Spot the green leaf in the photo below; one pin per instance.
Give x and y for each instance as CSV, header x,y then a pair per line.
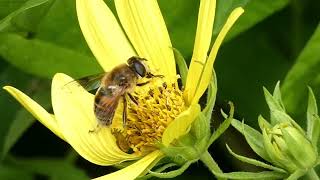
x,y
61,28
27,17
313,120
223,10
23,120
304,72
54,168
12,173
255,11
48,59
181,18
243,69
253,137
255,162
10,109
8,6
253,175
182,65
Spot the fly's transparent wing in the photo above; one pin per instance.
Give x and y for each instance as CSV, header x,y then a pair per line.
x,y
90,83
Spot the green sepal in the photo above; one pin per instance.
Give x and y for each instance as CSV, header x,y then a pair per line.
x,y
272,102
253,137
200,127
296,175
185,141
158,170
277,95
164,167
273,105
201,132
275,154
263,123
182,65
223,127
173,173
255,162
211,96
300,148
267,175
286,119
313,120
180,154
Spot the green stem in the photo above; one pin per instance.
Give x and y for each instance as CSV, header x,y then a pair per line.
x,y
211,164
311,174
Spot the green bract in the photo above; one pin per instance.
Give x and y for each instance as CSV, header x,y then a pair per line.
x,y
291,151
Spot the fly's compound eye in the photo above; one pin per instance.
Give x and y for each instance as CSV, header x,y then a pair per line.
x,y
138,66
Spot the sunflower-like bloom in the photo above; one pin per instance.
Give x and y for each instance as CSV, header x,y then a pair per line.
x,y
164,112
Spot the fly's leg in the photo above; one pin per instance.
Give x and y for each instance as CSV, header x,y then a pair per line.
x,y
95,130
132,99
124,113
150,75
143,83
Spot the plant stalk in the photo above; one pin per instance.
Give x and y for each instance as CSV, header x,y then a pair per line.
x,y
211,164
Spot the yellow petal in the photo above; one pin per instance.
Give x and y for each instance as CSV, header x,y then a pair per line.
x,y
36,110
202,42
103,33
181,124
133,171
73,107
203,71
146,29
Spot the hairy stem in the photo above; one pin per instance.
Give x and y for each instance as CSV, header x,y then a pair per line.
x,y
311,174
211,164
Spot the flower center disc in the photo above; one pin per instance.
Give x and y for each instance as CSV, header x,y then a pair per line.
x,y
148,119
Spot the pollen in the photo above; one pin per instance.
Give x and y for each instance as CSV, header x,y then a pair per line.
x,y
149,114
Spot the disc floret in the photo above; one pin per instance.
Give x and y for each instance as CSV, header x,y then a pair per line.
x,y
149,115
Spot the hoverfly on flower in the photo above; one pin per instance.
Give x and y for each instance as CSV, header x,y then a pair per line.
x,y
115,85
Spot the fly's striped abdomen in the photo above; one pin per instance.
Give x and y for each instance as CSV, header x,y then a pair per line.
x,y
105,104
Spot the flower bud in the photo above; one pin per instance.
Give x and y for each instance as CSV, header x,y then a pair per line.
x,y
288,147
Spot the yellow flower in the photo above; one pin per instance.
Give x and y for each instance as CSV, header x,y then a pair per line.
x,y
168,114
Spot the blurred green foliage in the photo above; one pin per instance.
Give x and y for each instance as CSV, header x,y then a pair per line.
x,y
273,40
